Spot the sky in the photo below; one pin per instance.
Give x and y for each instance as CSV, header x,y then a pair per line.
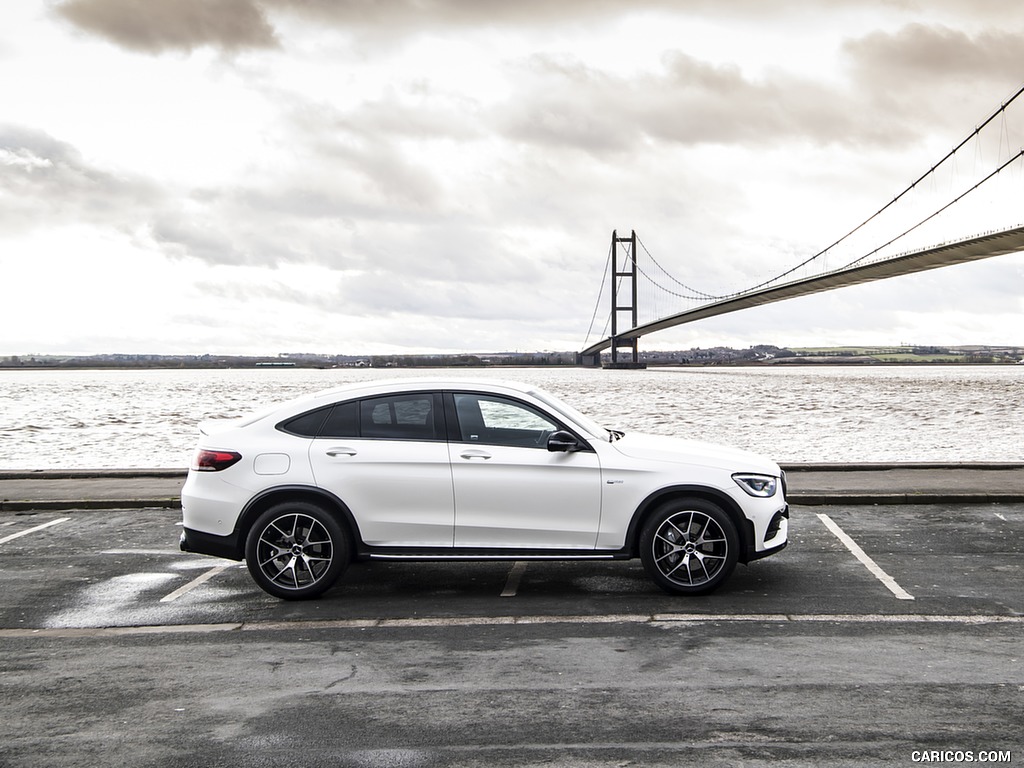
x,y
443,176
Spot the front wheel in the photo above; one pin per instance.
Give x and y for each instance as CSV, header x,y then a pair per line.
x,y
296,550
689,547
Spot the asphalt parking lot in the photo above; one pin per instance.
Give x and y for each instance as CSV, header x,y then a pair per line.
x,y
882,633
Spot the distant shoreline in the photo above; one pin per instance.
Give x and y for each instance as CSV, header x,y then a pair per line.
x,y
759,356
790,363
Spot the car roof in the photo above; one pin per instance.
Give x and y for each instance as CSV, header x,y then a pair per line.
x,y
386,386
432,382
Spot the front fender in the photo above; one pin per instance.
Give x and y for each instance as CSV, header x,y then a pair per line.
x,y
744,528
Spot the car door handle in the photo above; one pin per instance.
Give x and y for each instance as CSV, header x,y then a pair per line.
x,y
475,454
341,450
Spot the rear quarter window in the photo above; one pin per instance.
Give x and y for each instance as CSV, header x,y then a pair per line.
x,y
306,425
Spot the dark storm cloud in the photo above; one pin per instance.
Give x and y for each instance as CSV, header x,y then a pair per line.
x,y
154,26
45,181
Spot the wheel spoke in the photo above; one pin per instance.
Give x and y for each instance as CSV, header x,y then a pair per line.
x,y
279,529
275,576
670,553
684,562
682,533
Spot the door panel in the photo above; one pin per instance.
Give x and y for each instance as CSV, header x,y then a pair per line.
x,y
510,491
398,484
525,497
400,492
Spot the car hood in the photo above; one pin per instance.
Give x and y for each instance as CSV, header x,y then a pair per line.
x,y
678,450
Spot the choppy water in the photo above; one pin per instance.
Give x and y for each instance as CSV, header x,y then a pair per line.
x,y
128,419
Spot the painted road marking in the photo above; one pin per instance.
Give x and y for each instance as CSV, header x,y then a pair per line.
x,y
194,583
860,554
514,577
175,552
13,536
658,619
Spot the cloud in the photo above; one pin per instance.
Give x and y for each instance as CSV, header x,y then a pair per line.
x,y
918,55
688,102
402,16
155,26
47,182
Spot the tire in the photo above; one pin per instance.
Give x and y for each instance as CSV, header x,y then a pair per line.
x,y
689,546
296,550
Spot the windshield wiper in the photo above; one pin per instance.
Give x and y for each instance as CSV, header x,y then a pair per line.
x,y
615,434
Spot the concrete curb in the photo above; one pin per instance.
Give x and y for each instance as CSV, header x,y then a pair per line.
x,y
863,495
178,472
86,505
87,474
882,499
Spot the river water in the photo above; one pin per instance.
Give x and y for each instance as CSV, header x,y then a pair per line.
x,y
63,419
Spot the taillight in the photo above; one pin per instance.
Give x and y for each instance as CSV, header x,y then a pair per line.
x,y
214,461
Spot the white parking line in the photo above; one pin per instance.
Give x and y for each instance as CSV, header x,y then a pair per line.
x,y
514,576
194,583
860,554
13,536
657,620
175,552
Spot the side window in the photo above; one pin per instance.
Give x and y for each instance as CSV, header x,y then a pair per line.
x,y
342,422
306,425
402,417
498,421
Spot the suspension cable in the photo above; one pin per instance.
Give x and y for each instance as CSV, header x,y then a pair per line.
x,y
696,294
600,294
936,213
999,111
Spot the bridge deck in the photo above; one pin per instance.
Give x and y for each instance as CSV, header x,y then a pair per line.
x,y
960,252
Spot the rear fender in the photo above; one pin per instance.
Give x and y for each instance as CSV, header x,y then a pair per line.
x,y
271,496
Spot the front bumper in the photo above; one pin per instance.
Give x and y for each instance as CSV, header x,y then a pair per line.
x,y
776,537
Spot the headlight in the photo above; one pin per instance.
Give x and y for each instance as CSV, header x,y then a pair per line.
x,y
757,485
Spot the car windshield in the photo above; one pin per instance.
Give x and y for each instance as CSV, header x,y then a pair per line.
x,y
575,416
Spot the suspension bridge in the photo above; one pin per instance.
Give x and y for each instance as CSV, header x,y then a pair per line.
x,y
903,237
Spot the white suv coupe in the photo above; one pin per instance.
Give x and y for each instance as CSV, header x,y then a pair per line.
x,y
448,470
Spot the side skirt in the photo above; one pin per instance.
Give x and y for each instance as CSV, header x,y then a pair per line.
x,y
430,554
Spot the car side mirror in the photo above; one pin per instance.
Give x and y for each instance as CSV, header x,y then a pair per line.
x,y
563,442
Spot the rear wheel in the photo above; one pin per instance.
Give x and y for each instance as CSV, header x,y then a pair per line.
x,y
296,550
689,546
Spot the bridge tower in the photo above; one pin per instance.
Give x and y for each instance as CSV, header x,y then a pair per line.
x,y
624,285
